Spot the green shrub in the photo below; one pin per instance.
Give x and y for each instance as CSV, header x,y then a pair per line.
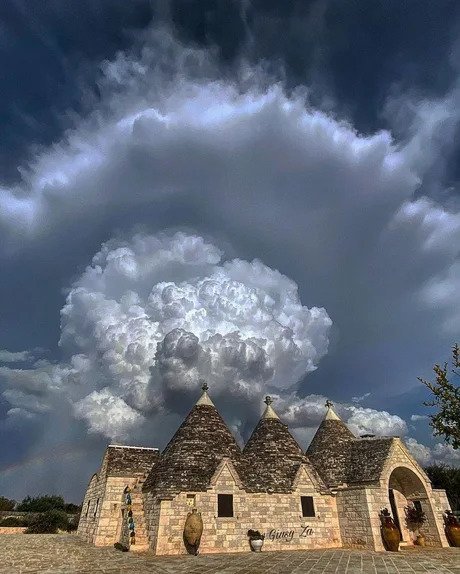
x,y
6,503
48,522
73,523
41,504
14,521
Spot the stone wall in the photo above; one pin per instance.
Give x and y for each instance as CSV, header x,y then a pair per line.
x,y
12,529
152,507
110,513
90,508
354,517
441,502
279,516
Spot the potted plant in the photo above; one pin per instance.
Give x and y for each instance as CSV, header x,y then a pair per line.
x,y
452,528
390,532
415,518
256,540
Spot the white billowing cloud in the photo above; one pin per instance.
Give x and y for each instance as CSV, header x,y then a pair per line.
x,y
310,410
370,421
107,414
440,453
420,452
154,315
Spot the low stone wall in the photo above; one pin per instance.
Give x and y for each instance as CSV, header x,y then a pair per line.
x,y
12,529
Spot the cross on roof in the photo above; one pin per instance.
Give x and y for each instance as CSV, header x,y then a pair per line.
x,y
329,404
268,400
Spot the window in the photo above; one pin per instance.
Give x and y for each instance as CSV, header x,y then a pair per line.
x,y
307,506
96,507
225,505
87,507
190,500
417,505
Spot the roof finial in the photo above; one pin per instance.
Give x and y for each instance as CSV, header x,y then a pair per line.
x,y
269,412
204,399
331,415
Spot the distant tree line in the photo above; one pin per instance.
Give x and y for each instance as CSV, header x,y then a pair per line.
x,y
39,504
448,478
48,514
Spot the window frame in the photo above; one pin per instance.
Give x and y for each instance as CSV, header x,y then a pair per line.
x,y
96,508
313,509
219,508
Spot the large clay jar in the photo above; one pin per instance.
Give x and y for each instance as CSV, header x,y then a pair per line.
x,y
193,530
453,534
390,534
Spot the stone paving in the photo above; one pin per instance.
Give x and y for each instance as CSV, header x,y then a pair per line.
x,y
67,554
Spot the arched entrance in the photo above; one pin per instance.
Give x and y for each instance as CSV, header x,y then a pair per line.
x,y
405,487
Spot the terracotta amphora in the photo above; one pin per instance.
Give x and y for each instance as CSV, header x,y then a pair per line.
x,y
453,534
192,531
390,534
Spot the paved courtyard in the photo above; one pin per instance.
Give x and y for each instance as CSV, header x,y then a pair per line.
x,y
66,554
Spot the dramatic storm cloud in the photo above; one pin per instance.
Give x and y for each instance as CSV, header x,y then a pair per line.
x,y
248,212
152,317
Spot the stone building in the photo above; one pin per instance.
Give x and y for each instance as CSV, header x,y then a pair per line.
x,y
329,496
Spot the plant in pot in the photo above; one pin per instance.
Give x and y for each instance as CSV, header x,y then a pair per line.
x,y
415,519
390,532
256,540
452,528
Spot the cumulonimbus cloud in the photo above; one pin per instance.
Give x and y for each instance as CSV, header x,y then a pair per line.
x,y
155,315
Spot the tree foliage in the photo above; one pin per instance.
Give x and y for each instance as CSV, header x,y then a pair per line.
x,y
46,503
48,522
448,478
446,399
6,503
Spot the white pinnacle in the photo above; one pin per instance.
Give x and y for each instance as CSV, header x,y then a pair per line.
x,y
269,413
205,399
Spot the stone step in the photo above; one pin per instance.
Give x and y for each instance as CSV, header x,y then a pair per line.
x,y
139,548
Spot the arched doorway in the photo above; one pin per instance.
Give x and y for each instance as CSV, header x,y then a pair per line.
x,y
405,487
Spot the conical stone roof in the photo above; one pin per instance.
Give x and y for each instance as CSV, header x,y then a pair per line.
x,y
331,447
271,457
194,452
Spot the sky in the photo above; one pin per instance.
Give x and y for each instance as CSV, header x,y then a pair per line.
x,y
261,195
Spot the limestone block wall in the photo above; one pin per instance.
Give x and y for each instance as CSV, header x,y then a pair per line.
x,y
109,525
357,524
278,516
91,507
152,507
12,529
101,516
440,500
401,503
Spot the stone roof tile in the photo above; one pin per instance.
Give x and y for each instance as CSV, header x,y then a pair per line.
x,y
130,460
191,457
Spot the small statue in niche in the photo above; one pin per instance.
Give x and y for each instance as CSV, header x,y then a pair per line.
x,y
193,530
